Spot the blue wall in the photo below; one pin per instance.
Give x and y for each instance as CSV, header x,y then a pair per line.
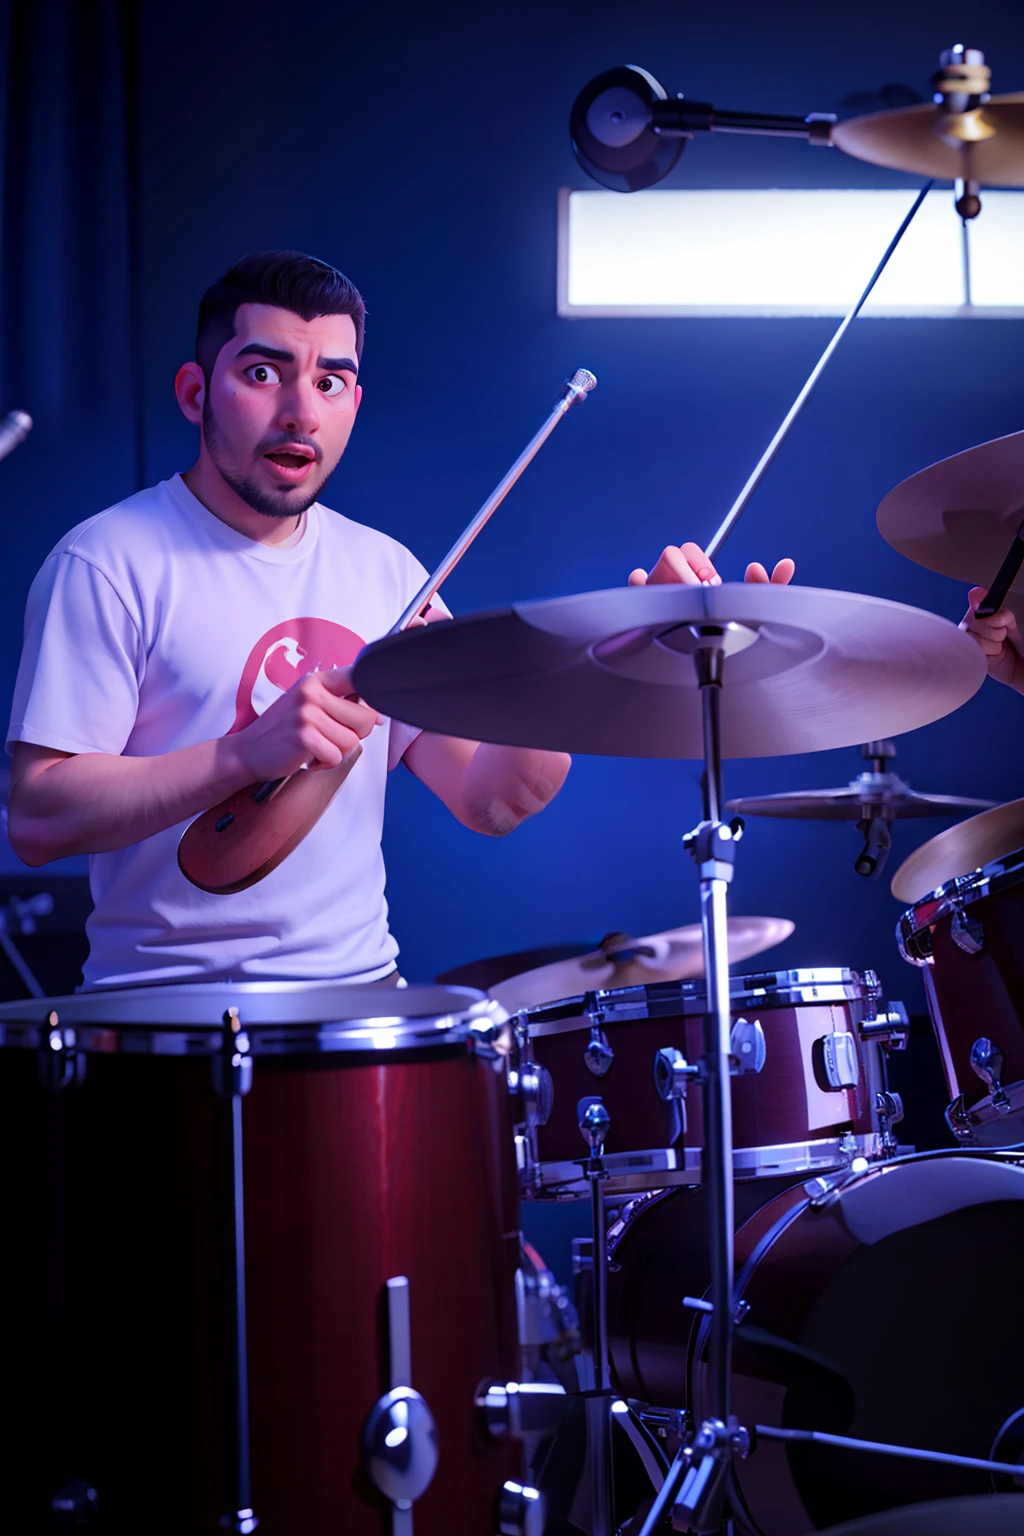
x,y
421,149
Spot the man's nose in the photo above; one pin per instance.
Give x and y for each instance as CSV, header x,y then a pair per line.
x,y
298,410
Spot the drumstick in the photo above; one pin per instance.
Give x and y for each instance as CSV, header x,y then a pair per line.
x,y
996,594
232,846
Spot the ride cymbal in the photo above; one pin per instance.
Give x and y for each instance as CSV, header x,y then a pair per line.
x,y
923,139
621,961
610,672
870,794
959,517
959,850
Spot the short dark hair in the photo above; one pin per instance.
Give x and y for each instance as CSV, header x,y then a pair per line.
x,y
288,279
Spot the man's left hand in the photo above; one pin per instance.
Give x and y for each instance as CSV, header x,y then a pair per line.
x,y
688,565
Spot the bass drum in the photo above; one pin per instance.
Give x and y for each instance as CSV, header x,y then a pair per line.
x,y
887,1308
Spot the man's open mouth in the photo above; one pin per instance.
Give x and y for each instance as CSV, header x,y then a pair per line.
x,y
290,460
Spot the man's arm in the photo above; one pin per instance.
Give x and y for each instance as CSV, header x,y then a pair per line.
x,y
490,789
1000,639
96,802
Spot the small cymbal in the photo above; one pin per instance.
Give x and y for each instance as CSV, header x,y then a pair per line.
x,y
621,961
913,139
959,850
610,672
869,794
959,517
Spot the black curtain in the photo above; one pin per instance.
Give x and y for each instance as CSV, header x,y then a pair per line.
x,y
70,342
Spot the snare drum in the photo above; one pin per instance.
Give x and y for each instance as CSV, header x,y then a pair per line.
x,y
809,1092
375,1148
968,938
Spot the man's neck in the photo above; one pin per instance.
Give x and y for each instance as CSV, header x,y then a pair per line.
x,y
210,488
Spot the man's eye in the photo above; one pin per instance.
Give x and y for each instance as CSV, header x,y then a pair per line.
x,y
263,373
333,384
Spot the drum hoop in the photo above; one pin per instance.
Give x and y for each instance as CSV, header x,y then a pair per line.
x,y
987,880
687,999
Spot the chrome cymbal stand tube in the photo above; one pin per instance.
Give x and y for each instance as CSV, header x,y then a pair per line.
x,y
761,467
594,1123
232,1078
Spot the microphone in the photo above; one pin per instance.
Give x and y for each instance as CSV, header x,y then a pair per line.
x,y
14,429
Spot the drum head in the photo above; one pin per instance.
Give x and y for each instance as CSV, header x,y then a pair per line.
x,y
946,1517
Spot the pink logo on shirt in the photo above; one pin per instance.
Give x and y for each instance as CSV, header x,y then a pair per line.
x,y
284,654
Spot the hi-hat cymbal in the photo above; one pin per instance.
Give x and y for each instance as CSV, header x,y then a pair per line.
x,y
959,516
960,849
869,794
913,139
677,955
610,672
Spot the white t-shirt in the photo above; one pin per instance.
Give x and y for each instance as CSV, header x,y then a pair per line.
x,y
154,626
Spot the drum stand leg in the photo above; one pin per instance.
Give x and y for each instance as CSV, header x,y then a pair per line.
x,y
233,1079
594,1123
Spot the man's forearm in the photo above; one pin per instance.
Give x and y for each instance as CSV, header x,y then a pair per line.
x,y
505,785
96,803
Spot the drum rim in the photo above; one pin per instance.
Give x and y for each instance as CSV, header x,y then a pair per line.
x,y
987,880
776,989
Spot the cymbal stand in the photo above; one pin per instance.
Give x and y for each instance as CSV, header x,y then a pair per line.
x,y
695,1482
594,1123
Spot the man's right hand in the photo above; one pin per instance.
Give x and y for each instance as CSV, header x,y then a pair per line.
x,y
317,722
999,638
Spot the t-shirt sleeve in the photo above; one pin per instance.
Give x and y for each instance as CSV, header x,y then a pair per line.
x,y
82,662
402,736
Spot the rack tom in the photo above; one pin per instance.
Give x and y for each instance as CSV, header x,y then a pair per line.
x,y
381,1249
968,938
809,1089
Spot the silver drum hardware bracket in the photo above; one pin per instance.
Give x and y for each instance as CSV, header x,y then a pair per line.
x,y
400,1436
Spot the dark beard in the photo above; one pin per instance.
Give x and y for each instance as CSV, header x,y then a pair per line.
x,y
266,502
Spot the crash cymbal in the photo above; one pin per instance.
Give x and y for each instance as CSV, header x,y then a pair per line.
x,y
924,139
959,516
677,955
869,794
609,672
959,850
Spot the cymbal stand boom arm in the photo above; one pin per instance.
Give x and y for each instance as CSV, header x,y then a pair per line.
x,y
760,469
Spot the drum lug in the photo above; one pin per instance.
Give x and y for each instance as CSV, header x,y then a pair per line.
x,y
987,1063
231,1068
889,1108
673,1074
889,1026
968,933
747,1047
522,1511
399,1436
598,1054
520,1408
61,1063
532,1084
839,1059
958,1120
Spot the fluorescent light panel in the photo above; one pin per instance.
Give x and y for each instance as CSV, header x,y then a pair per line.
x,y
784,253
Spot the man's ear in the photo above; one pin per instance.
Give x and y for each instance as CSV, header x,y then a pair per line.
x,y
190,391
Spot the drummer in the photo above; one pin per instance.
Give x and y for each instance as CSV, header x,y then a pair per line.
x,y
999,637
197,637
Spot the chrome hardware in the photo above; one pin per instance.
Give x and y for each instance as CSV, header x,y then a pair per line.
x,y
594,1122
699,1304
958,1120
672,1074
889,1108
61,1063
839,1055
643,1442
968,933
598,1054
242,1521
522,1511
520,1407
400,1446
489,1038
747,1046
987,1063
820,1191
400,1436
548,1321
889,1026
232,1066
532,1084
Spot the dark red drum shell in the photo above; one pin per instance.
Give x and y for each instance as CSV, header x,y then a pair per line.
x,y
785,1103
353,1173
881,1286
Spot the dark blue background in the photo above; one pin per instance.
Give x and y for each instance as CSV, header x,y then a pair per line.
x,y
421,149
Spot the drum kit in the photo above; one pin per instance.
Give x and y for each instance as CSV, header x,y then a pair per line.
x,y
330,1323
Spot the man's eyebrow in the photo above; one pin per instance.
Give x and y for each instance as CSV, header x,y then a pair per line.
x,y
337,364
257,349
